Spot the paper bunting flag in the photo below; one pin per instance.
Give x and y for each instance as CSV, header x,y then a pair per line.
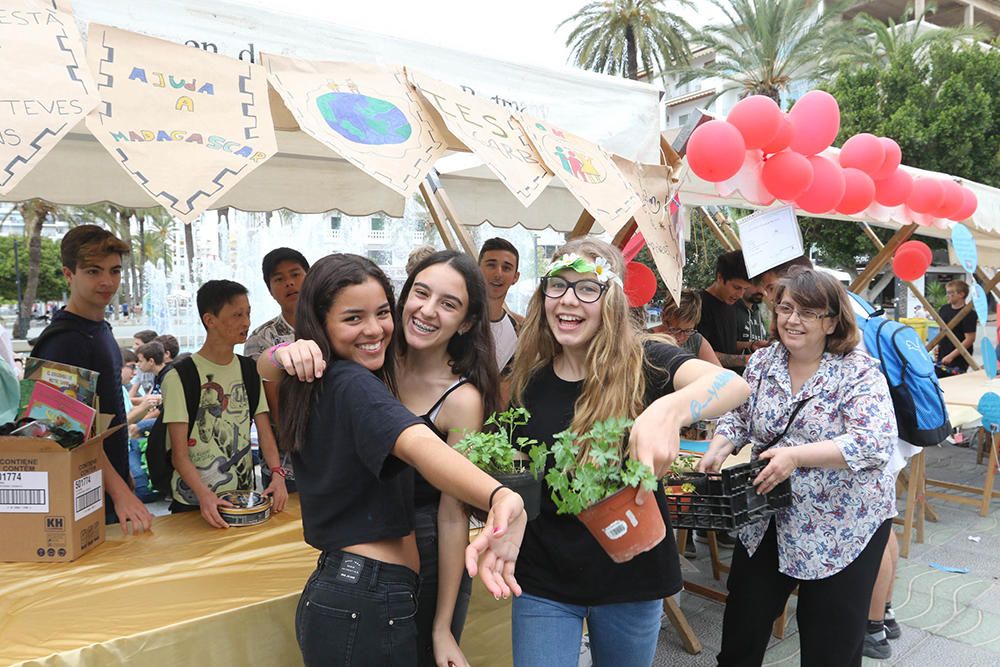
x,y
367,114
39,103
586,170
185,124
490,133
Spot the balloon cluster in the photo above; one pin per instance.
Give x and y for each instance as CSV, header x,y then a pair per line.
x,y
911,260
764,148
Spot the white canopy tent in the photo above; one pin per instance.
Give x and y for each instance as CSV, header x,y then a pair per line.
x,y
305,176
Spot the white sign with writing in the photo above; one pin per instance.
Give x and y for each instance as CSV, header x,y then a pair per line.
x,y
769,238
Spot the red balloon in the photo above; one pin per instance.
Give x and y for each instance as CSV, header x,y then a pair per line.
x,y
859,192
969,205
715,151
816,119
758,119
863,151
919,246
782,138
827,188
908,264
893,190
952,201
786,175
893,158
926,196
640,284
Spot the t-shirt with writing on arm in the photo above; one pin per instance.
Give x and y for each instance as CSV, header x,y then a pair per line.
x,y
352,488
560,560
718,324
219,445
965,326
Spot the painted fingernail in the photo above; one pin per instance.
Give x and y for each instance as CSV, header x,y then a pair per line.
x,y
496,531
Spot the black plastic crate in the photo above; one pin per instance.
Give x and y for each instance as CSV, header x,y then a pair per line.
x,y
729,502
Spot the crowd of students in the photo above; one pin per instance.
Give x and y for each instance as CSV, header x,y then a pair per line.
x,y
356,399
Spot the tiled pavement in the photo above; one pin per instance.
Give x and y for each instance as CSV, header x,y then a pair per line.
x,y
947,618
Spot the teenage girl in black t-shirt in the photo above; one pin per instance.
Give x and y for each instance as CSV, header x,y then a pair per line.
x,y
445,374
579,360
351,442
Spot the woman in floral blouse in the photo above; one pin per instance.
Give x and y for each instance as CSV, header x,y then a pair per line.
x,y
819,412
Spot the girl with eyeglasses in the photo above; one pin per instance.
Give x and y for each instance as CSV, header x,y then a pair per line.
x,y
680,322
581,359
820,413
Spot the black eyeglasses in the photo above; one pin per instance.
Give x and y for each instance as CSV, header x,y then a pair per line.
x,y
586,290
674,331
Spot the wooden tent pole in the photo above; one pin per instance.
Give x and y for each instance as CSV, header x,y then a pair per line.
x,y
714,228
433,180
726,225
989,284
583,225
624,234
883,257
437,217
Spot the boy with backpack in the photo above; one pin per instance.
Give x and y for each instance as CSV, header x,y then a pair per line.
x,y
209,402
80,336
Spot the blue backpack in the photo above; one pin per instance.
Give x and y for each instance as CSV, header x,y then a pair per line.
x,y
917,398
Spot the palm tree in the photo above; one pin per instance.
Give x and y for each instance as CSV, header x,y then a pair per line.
x,y
762,46
33,213
624,37
908,38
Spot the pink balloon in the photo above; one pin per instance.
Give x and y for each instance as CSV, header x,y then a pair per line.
x,y
969,205
908,264
893,190
827,188
715,151
786,175
893,158
952,201
863,151
926,196
782,138
859,191
758,119
816,119
921,247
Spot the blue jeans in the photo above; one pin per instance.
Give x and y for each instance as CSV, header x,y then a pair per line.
x,y
548,633
358,611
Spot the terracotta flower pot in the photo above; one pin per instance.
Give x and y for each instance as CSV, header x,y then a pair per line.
x,y
624,529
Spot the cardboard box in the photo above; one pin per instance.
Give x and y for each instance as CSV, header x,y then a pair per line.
x,y
51,499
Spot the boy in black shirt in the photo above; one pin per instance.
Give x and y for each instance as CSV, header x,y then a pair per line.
x,y
718,309
949,360
79,336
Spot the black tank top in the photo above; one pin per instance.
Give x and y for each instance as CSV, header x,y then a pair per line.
x,y
423,492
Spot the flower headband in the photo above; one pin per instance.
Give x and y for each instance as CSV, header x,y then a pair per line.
x,y
573,262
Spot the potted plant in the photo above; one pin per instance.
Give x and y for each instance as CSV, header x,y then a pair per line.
x,y
684,478
497,452
600,489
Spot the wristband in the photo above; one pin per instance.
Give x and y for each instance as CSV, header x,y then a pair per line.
x,y
494,493
270,355
280,472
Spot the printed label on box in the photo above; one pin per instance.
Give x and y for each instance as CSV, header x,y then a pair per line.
x,y
88,495
24,492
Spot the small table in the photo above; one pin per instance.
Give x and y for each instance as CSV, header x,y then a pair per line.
x,y
966,390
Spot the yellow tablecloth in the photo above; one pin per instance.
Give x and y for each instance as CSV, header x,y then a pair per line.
x,y
186,594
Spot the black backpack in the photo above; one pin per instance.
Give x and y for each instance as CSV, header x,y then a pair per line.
x,y
161,468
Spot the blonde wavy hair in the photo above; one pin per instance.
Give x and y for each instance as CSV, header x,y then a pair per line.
x,y
615,383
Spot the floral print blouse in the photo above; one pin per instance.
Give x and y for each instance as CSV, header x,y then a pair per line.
x,y
833,512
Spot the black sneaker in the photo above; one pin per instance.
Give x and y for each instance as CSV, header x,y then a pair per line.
x,y
892,630
876,646
722,539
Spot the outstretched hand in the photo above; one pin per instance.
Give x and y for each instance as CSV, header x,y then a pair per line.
x,y
655,441
493,553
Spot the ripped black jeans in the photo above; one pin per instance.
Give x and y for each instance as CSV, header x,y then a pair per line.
x,y
358,611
